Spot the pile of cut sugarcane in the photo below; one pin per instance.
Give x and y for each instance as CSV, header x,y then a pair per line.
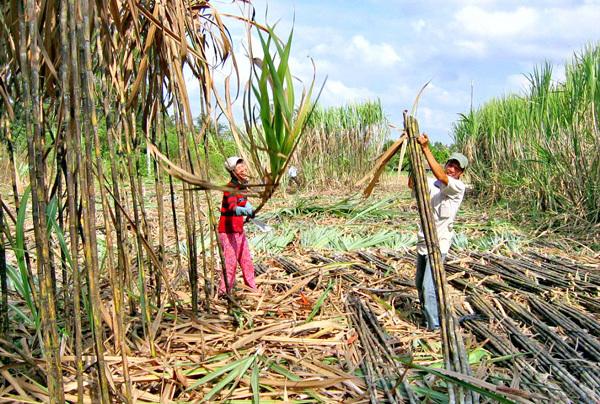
x,y
338,327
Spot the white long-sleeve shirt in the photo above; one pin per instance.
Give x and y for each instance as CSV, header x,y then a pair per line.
x,y
446,200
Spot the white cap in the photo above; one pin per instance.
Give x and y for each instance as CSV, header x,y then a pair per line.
x,y
233,161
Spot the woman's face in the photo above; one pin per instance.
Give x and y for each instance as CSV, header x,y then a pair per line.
x,y
241,171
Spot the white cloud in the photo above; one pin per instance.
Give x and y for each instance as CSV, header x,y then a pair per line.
x,y
579,23
497,24
418,25
337,93
471,48
388,49
382,55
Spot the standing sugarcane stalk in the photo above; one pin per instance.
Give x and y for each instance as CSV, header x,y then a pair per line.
x,y
189,217
159,188
71,97
65,100
123,266
455,357
115,272
89,194
3,277
200,150
30,65
141,266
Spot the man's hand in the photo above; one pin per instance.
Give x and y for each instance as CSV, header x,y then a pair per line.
x,y
423,141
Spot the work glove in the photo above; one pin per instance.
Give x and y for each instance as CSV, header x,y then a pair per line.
x,y
247,210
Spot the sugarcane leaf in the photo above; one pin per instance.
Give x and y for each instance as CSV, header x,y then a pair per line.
x,y
216,373
459,379
508,357
20,313
20,228
254,380
53,224
319,302
220,385
279,369
241,371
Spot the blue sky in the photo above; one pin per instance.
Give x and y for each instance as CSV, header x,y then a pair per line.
x,y
389,49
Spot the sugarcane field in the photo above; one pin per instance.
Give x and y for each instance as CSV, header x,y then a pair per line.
x,y
185,221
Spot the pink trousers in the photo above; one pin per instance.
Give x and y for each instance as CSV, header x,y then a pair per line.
x,y
236,251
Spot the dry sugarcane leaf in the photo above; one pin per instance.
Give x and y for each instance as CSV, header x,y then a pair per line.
x,y
168,31
325,370
43,394
144,395
16,384
257,335
304,341
317,324
186,176
181,23
380,166
156,323
6,99
296,288
147,377
304,384
115,14
416,103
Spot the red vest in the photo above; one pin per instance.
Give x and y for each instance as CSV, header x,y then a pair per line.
x,y
229,222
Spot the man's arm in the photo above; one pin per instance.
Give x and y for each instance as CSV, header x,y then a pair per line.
x,y
436,168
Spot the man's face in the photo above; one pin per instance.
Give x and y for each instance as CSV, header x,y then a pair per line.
x,y
453,169
241,171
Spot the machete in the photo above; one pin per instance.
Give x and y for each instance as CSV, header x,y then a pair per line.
x,y
261,226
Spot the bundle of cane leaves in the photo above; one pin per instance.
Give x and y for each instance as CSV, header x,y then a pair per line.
x,y
273,241
352,208
280,121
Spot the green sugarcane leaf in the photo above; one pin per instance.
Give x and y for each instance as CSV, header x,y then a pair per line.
x,y
20,229
457,381
477,355
254,383
220,385
279,369
20,250
17,280
20,313
217,373
320,302
507,357
53,224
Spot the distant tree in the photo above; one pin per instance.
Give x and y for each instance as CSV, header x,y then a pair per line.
x,y
440,151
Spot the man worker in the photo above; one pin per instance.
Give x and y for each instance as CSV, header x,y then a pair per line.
x,y
293,176
447,192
